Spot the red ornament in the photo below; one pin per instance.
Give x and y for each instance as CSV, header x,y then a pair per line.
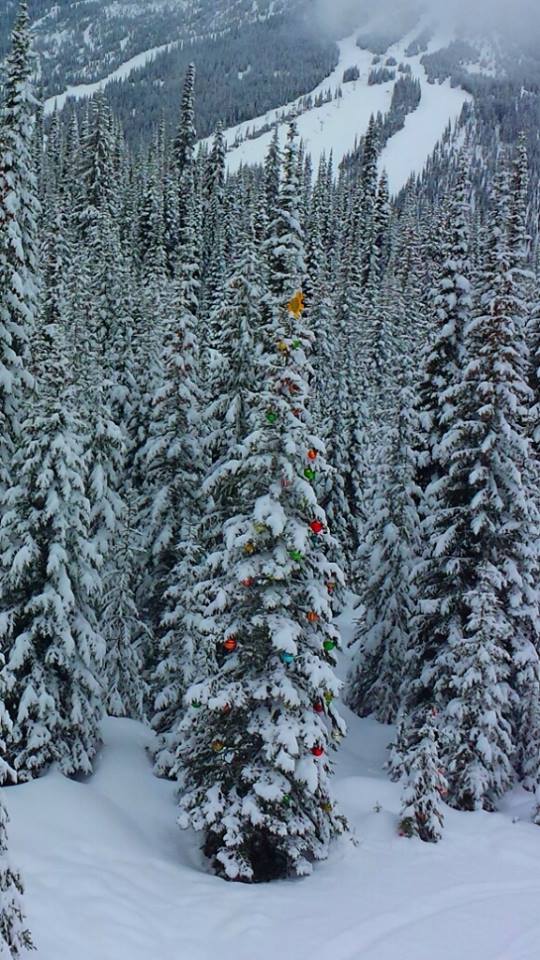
x,y
316,526
226,709
317,751
248,582
312,616
230,644
318,706
312,454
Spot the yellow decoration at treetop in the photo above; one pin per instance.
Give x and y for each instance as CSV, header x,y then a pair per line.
x,y
297,305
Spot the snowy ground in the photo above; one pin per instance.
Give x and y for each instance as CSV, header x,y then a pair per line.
x,y
110,877
337,125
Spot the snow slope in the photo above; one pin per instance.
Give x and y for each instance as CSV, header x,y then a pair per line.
x,y
85,90
110,877
337,125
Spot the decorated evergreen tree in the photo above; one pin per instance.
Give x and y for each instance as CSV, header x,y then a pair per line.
x,y
254,754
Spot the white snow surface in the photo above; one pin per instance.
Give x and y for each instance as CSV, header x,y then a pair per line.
x,y
83,91
109,875
336,126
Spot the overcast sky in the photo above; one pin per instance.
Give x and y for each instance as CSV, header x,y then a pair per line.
x,y
491,13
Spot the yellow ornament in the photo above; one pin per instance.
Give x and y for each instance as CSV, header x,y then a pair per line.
x,y
297,305
249,548
327,807
282,347
218,746
328,696
259,527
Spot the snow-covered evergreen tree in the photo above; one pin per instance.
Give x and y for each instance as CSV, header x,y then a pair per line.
x,y
49,588
254,753
15,939
424,782
19,210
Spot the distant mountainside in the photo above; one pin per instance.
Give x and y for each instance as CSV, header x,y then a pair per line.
x,y
250,55
253,56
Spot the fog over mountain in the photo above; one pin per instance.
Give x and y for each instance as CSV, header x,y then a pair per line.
x,y
518,16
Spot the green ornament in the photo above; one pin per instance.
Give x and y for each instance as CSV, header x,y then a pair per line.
x,y
309,474
296,555
195,704
296,344
329,645
271,416
286,800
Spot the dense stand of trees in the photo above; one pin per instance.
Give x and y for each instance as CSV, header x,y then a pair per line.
x,y
225,401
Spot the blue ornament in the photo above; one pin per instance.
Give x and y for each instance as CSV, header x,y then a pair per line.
x,y
287,657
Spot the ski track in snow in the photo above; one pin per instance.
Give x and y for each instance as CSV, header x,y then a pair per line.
x,y
336,126
83,91
109,875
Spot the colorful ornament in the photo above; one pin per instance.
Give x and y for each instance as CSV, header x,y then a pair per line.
x,y
226,709
249,548
312,454
328,697
297,304
317,750
287,658
312,616
271,416
296,344
217,746
297,412
286,800
316,526
329,645
296,555
331,586
326,806
248,582
282,347
196,704
230,644
309,474
318,706
259,527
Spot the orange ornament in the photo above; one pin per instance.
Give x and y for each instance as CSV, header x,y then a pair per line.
x,y
230,644
312,616
297,305
312,455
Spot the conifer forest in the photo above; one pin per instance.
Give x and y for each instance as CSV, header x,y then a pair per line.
x,y
269,495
